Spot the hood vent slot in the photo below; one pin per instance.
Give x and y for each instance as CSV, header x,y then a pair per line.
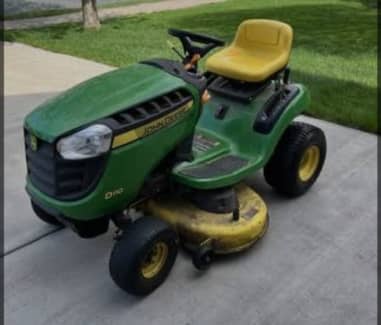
x,y
146,112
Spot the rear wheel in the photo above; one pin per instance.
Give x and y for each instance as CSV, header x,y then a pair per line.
x,y
297,160
143,256
44,216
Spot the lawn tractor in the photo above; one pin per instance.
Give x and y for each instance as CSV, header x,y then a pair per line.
x,y
162,150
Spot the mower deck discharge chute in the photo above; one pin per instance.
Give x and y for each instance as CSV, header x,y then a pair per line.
x,y
162,150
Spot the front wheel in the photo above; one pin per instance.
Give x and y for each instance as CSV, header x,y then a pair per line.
x,y
143,256
298,159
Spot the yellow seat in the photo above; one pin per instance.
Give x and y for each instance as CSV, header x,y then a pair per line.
x,y
260,49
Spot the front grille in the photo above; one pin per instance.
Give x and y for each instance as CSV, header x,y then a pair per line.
x,y
59,178
135,116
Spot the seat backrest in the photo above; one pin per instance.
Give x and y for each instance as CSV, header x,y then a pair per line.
x,y
268,35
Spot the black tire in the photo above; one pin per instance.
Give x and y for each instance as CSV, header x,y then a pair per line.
x,y
131,252
202,258
282,171
44,216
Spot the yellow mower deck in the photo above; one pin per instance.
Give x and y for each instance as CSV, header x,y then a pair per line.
x,y
197,227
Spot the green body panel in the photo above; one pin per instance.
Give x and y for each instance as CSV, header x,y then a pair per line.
x,y
99,97
236,136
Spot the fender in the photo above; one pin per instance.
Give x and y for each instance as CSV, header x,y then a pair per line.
x,y
283,113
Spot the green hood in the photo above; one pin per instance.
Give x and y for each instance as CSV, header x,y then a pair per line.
x,y
98,98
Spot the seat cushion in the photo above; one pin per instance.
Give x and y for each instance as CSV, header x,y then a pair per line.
x,y
260,49
243,65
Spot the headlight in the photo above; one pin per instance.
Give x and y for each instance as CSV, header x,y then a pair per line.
x,y
90,142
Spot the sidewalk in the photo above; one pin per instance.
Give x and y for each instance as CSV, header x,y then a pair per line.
x,y
106,13
317,265
30,70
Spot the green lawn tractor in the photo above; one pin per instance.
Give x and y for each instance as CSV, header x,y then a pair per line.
x,y
161,149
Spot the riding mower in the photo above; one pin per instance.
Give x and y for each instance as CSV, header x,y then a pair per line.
x,y
162,150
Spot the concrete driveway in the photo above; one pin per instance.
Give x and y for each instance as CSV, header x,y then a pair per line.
x,y
12,7
317,264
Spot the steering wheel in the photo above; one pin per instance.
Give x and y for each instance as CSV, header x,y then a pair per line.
x,y
195,44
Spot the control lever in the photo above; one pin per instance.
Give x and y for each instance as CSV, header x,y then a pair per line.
x,y
174,49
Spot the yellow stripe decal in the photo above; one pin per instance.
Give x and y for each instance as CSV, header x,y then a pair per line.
x,y
151,127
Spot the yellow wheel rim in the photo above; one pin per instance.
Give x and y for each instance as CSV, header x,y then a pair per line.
x,y
309,163
155,260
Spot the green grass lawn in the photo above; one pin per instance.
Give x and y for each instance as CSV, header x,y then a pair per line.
x,y
335,47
